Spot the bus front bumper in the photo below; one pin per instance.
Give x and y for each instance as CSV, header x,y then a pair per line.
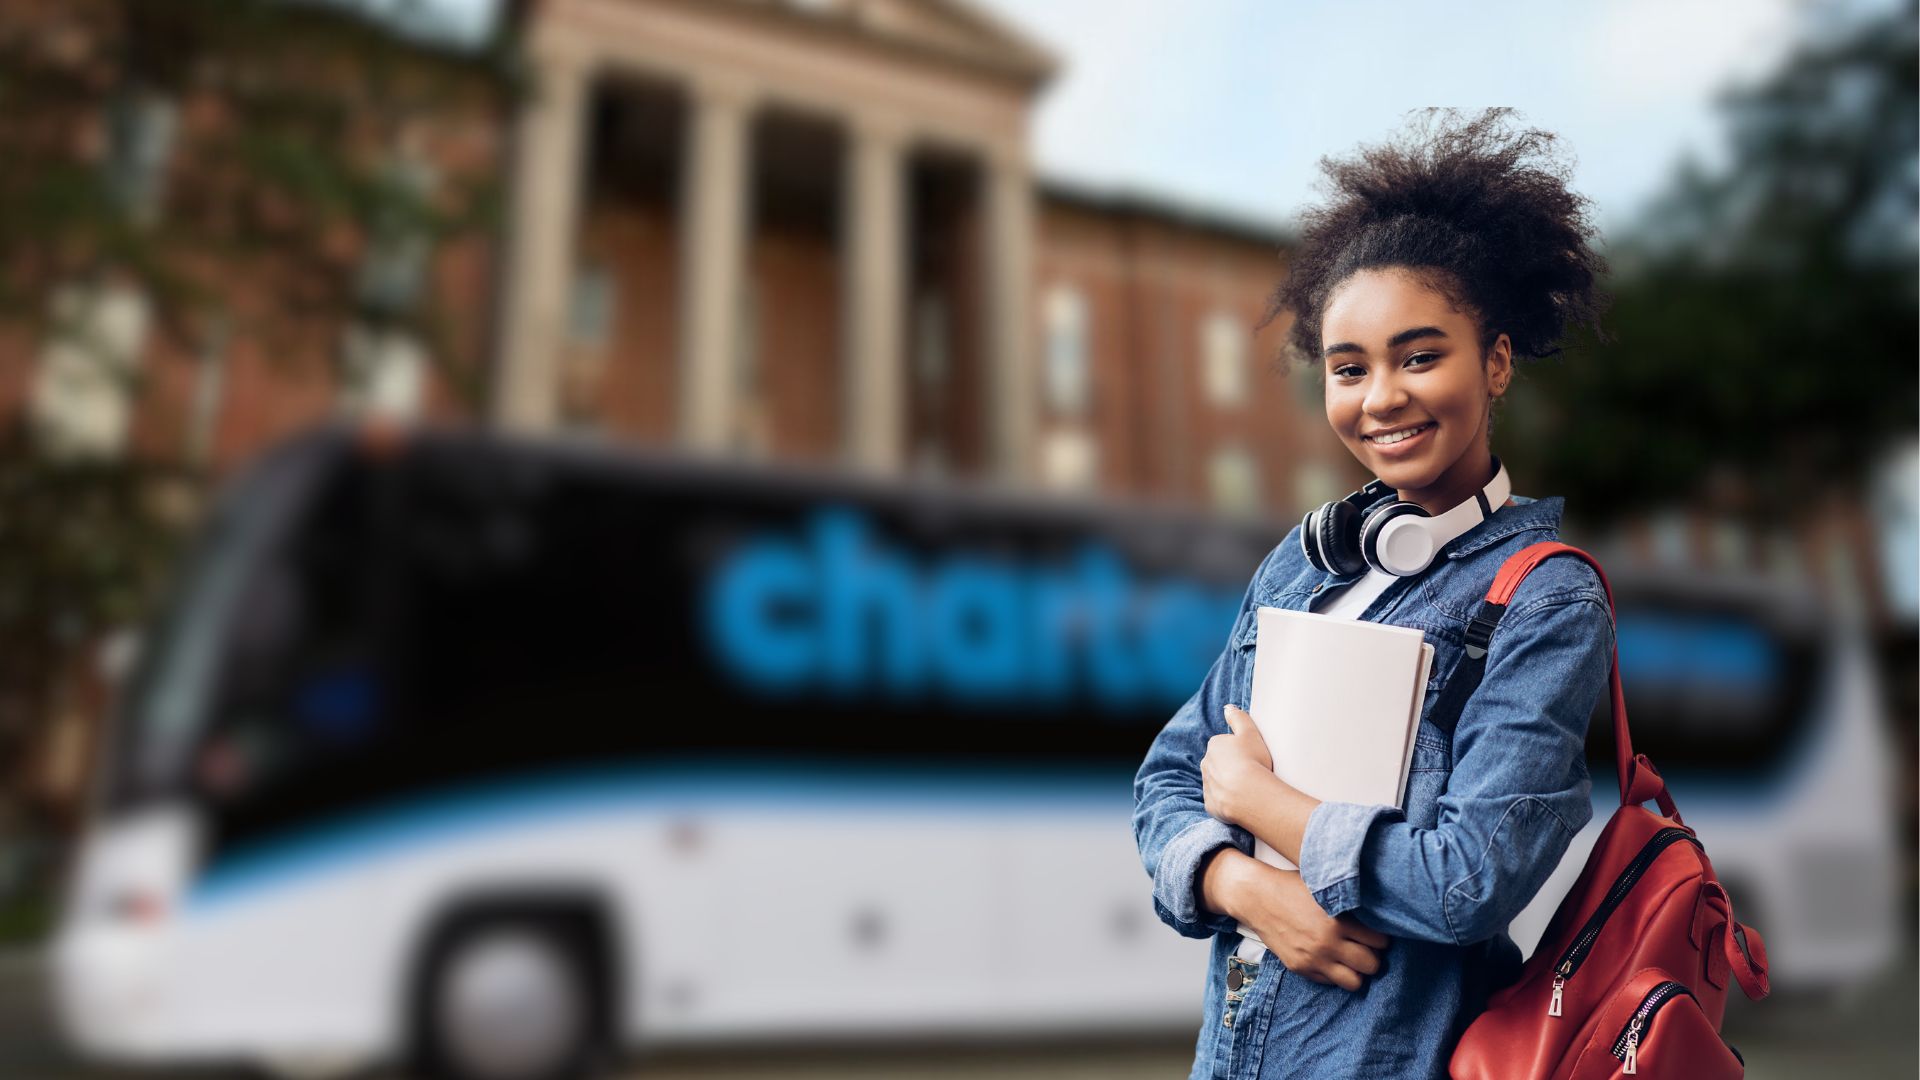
x,y
110,996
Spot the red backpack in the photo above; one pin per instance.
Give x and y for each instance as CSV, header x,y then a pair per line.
x,y
1631,975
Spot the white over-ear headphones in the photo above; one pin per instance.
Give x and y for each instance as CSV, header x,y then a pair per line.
x,y
1395,537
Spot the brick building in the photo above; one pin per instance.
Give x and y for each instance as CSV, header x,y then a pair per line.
x,y
802,230
768,229
812,231
799,231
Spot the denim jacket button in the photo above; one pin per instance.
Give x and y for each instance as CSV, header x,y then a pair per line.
x,y
1234,978
1316,588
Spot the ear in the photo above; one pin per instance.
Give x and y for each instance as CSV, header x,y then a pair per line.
x,y
1499,365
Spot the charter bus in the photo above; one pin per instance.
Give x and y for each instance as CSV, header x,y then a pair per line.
x,y
497,756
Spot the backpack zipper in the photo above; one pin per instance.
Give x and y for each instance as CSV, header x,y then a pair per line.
x,y
1627,1046
1576,953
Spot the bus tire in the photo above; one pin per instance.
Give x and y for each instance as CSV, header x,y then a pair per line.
x,y
512,995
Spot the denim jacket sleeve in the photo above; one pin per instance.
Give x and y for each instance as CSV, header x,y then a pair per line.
x,y
1518,792
1171,825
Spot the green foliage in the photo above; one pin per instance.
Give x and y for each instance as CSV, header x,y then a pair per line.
x,y
237,142
240,163
257,171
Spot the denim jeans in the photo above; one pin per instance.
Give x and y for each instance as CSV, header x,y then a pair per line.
x,y
1489,811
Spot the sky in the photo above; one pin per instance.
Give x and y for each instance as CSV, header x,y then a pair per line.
x,y
1230,104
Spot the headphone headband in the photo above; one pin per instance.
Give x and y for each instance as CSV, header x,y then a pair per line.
x,y
1372,492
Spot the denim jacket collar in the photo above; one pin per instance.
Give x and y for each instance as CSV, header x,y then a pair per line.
x,y
1506,521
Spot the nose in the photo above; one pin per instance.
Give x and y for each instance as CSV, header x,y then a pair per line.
x,y
1385,395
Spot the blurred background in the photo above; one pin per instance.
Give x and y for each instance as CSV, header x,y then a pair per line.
x,y
472,471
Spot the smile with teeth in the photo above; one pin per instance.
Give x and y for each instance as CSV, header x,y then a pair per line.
x,y
1398,436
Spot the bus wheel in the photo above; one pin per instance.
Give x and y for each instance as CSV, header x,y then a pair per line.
x,y
510,997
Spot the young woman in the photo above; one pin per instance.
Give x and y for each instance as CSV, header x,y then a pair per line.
x,y
1440,262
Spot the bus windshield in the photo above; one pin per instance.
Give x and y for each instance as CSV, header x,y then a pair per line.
x,y
164,708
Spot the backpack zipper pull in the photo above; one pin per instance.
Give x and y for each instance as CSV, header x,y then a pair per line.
x,y
1633,1047
1559,984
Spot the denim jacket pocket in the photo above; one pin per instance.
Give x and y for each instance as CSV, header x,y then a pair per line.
x,y
1246,635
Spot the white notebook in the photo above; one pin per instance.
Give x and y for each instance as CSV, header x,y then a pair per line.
x,y
1338,702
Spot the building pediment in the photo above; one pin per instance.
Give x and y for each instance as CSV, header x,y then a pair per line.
x,y
952,29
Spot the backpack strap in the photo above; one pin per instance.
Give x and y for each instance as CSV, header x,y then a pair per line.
x,y
1729,945
1639,780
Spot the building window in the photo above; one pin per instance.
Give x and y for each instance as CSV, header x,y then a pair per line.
x,y
590,307
385,371
209,391
929,459
1069,461
393,270
142,128
81,402
751,412
1223,353
1233,481
1672,538
930,330
1066,371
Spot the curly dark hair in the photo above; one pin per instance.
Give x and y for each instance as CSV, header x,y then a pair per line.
x,y
1480,211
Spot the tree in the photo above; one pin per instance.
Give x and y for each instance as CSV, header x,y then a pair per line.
x,y
271,173
1763,330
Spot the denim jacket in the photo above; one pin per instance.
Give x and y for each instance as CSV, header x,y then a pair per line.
x,y
1489,812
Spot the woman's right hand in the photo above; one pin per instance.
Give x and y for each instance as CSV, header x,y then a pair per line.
x,y
1276,905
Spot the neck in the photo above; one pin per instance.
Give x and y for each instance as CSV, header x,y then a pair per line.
x,y
1471,473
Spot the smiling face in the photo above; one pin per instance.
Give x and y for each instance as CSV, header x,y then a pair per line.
x,y
1398,359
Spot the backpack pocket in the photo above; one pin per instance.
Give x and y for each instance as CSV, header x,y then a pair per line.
x,y
1653,1026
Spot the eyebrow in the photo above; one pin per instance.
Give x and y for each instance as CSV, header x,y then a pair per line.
x,y
1400,338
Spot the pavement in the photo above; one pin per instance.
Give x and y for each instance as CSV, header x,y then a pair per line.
x,y
1868,1035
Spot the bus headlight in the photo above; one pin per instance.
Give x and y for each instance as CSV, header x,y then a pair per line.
x,y
136,906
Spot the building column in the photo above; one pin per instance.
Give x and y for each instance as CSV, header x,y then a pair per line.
x,y
875,247
548,167
1008,334
713,200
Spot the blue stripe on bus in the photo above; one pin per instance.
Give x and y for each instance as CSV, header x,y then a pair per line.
x,y
1694,651
719,788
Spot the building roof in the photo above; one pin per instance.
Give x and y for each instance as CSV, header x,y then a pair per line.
x,y
1135,203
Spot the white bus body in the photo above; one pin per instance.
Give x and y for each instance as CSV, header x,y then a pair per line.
x,y
274,880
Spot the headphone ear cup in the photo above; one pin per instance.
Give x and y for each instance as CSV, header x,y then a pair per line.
x,y
1375,527
1338,538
